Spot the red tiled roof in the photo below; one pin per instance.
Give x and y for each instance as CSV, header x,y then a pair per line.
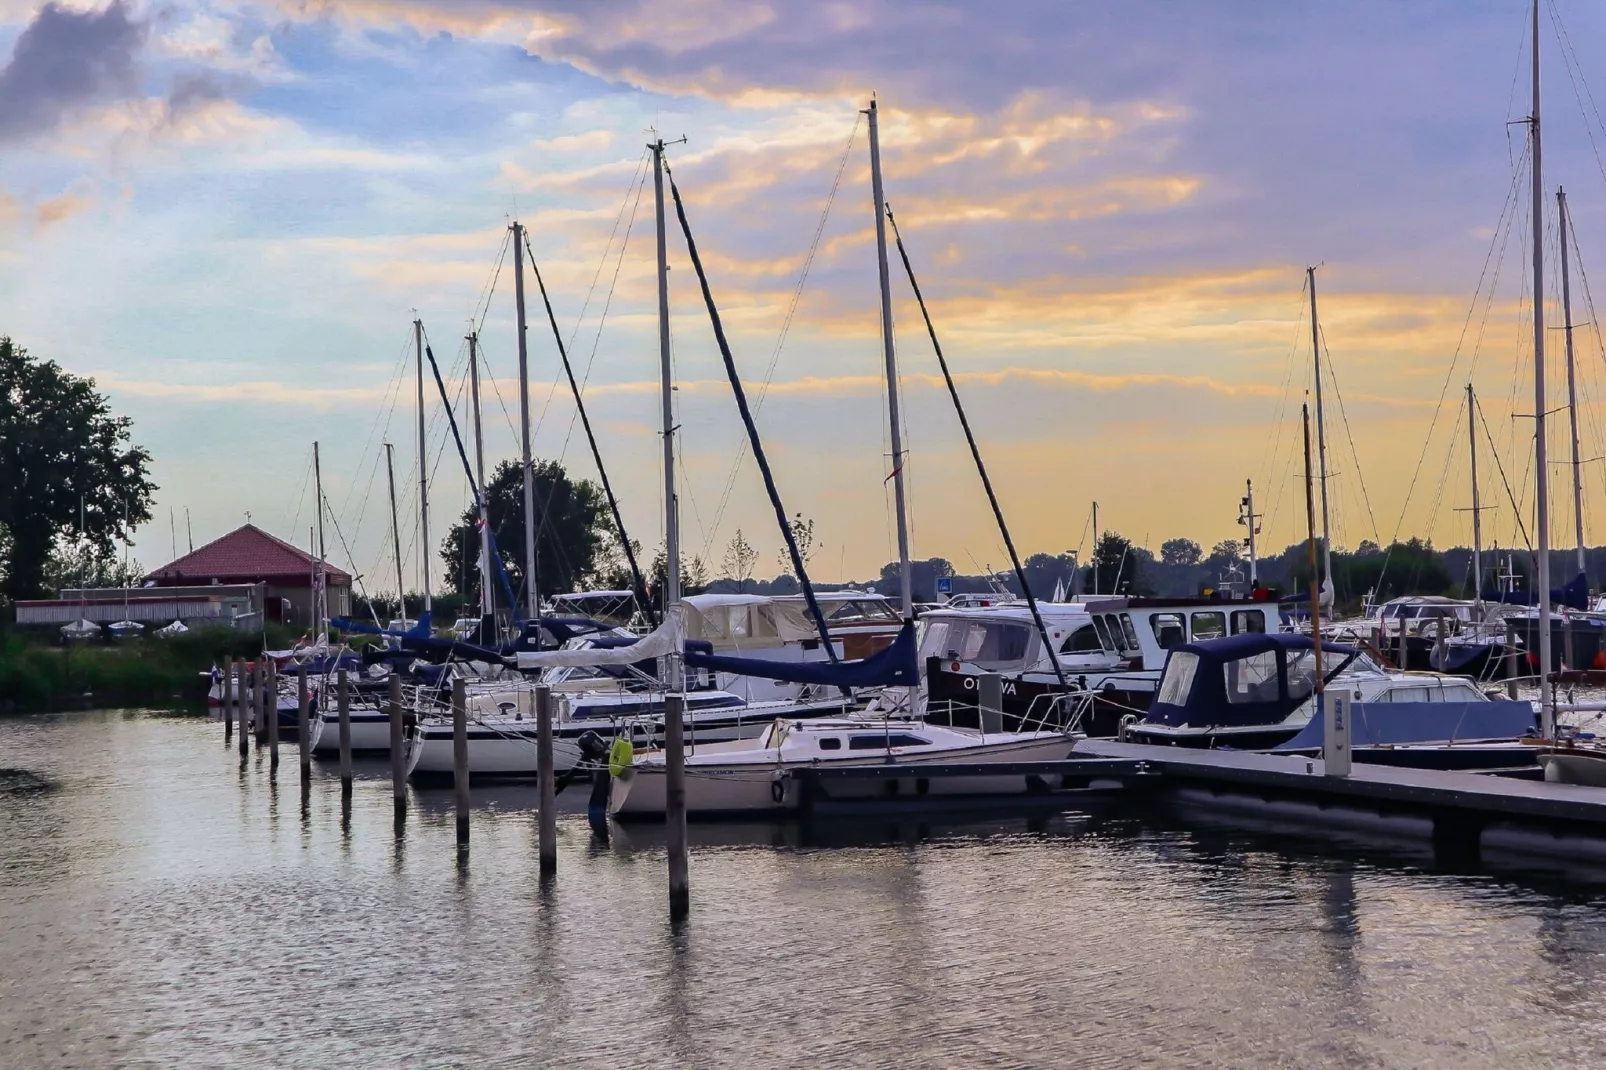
x,y
247,552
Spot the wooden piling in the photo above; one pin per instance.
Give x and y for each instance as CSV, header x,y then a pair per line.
x,y
228,715
343,701
460,758
398,760
675,803
241,712
303,723
1511,660
547,781
259,725
270,714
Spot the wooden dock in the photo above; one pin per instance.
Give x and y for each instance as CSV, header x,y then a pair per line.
x,y
901,789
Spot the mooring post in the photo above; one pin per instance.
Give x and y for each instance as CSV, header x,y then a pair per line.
x,y
270,717
242,712
259,724
343,703
460,758
990,702
1511,660
675,803
304,723
228,714
398,760
1405,650
1336,733
547,781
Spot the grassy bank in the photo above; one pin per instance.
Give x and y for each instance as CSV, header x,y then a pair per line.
x,y
36,674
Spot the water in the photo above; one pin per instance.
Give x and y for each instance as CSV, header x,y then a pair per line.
x,y
162,908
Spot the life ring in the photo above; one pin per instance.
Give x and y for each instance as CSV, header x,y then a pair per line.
x,y
620,756
777,791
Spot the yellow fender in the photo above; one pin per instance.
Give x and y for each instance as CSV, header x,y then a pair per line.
x,y
620,756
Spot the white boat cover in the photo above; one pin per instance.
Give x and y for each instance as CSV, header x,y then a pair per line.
x,y
665,639
80,629
176,628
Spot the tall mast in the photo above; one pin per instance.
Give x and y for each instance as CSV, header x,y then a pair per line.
x,y
1477,509
666,382
1095,547
1251,520
1321,425
1310,543
487,599
1564,222
892,366
532,597
395,532
423,466
322,592
1547,709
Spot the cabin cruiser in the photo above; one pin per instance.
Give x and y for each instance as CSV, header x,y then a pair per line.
x,y
1468,638
1112,649
1255,692
860,622
750,778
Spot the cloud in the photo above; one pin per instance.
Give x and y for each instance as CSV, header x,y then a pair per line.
x,y
67,59
59,208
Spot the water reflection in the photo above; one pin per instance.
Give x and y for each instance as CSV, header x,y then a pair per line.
x,y
157,908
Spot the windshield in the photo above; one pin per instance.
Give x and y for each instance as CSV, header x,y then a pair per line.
x,y
868,610
1178,680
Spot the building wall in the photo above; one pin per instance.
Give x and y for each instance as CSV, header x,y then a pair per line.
x,y
300,612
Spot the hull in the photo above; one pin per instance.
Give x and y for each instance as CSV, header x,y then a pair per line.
x,y
370,732
1574,769
716,789
505,751
951,700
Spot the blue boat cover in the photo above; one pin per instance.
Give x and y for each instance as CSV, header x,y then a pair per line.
x,y
893,666
1266,701
1574,594
1380,723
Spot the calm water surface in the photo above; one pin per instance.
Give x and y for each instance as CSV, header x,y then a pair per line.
x,y
163,907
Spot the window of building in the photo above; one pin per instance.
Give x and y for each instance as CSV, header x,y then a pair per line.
x,y
1170,630
1211,625
1253,679
1248,621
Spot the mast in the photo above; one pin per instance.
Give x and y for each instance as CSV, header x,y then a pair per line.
x,y
666,373
395,532
1310,542
423,467
1477,509
1547,709
1321,425
892,365
321,579
532,597
1564,221
1251,520
487,598
1095,547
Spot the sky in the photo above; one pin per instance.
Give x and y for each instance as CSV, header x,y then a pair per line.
x,y
229,212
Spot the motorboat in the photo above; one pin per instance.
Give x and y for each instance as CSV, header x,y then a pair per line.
x,y
751,778
1257,692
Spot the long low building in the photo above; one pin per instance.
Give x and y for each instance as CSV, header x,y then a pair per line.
x,y
238,605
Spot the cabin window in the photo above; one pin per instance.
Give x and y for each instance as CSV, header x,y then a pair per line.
x,y
1211,625
1180,668
1301,673
1169,630
881,741
934,639
1130,632
1253,679
1085,640
856,612
1248,622
739,626
1409,694
830,743
1104,635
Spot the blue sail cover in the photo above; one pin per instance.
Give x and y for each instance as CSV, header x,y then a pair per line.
x,y
894,666
1375,724
1574,594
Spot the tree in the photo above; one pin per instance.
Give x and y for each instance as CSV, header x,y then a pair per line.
x,y
923,577
740,557
61,448
693,575
1116,568
1183,552
572,522
803,535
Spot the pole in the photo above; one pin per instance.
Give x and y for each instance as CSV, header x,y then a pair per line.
x,y
1315,587
487,596
1249,504
270,717
227,709
1547,707
303,723
398,760
1477,510
675,803
547,781
460,758
241,710
532,596
321,594
890,355
1563,225
1095,547
666,388
343,701
423,469
1321,425
395,532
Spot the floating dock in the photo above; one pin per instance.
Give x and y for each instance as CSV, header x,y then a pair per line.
x,y
900,789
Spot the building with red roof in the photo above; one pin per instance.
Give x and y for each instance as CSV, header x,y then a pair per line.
x,y
249,555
